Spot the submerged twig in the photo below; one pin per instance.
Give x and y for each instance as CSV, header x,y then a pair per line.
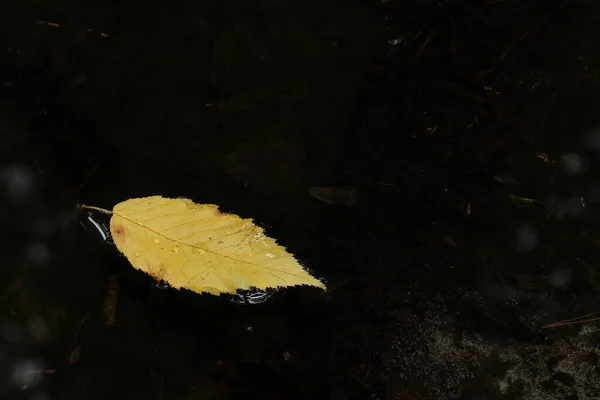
x,y
425,44
525,35
110,302
578,320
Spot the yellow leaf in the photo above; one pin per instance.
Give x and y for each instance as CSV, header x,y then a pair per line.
x,y
197,247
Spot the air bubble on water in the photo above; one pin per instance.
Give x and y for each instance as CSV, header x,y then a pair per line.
x,y
38,253
24,372
560,277
527,238
38,330
574,163
397,41
19,181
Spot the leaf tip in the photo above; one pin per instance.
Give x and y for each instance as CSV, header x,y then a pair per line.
x,y
320,285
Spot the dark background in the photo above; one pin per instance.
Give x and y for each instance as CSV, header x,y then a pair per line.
x,y
469,131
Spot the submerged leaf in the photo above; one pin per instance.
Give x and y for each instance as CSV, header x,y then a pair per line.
x,y
334,196
522,201
197,247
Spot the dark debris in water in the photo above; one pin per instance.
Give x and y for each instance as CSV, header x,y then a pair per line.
x,y
458,139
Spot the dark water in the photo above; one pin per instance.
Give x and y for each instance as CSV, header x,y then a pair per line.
x,y
467,132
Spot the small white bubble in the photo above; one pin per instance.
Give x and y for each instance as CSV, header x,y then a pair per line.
x,y
38,253
397,41
19,181
24,372
573,163
527,238
560,278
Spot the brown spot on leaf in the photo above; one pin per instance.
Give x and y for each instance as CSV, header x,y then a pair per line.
x,y
158,272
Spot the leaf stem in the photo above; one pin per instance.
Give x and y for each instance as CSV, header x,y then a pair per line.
x,y
102,210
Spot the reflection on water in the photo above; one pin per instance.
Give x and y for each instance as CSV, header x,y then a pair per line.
x,y
251,297
242,298
94,226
